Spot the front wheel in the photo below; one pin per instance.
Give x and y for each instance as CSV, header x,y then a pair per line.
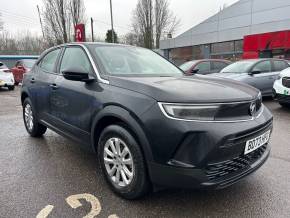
x,y
122,162
11,88
33,127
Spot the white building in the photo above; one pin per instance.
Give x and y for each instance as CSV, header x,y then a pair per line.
x,y
223,35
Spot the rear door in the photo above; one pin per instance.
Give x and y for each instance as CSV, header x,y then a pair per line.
x,y
42,81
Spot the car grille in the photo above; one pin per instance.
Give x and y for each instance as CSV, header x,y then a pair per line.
x,y
223,169
286,82
238,111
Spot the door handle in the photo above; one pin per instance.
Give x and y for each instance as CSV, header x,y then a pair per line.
x,y
53,86
32,80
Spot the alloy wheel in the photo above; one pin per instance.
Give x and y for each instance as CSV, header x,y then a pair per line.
x,y
28,117
118,162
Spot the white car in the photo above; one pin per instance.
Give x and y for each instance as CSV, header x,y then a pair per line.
x,y
281,88
6,77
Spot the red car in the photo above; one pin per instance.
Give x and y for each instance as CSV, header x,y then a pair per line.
x,y
204,66
21,67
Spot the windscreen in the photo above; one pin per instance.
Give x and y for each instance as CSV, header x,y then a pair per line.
x,y
238,67
125,60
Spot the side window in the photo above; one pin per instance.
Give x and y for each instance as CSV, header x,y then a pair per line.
x,y
263,67
48,61
203,67
75,57
18,63
280,65
218,65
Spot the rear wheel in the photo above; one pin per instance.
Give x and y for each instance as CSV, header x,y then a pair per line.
x,y
33,127
11,88
122,163
284,104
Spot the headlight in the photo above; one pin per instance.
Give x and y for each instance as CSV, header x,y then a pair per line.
x,y
189,112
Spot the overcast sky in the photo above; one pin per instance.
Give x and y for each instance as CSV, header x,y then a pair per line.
x,y
21,15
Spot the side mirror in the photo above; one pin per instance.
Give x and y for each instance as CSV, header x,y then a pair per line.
x,y
194,71
20,67
254,72
77,75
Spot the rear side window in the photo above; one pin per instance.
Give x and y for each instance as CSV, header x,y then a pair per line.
x,y
280,65
3,66
263,67
75,58
48,61
218,65
203,67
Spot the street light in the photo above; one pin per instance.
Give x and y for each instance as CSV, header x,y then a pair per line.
x,y
112,25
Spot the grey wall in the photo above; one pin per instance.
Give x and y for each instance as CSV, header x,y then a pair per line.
x,y
243,18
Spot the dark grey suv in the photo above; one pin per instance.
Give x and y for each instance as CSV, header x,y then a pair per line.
x,y
150,125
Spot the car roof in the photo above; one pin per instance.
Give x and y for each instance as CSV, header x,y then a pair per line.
x,y
262,59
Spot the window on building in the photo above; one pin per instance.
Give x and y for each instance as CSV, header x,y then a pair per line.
x,y
239,45
223,47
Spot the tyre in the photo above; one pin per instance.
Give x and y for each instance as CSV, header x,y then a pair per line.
x,y
284,104
122,163
11,88
33,127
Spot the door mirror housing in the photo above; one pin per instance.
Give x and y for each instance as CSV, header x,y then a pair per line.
x,y
254,72
77,75
20,67
194,71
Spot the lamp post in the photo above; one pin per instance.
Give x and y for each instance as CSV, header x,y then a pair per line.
x,y
112,24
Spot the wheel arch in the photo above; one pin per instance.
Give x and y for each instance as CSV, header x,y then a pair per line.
x,y
116,115
24,95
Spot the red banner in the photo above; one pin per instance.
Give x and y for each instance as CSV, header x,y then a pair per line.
x,y
80,34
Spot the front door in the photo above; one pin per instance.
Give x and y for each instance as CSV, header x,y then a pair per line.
x,y
262,80
73,103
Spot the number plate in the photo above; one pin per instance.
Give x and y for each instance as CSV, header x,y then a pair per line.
x,y
257,142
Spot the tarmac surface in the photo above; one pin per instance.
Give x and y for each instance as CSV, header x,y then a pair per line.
x,y
53,176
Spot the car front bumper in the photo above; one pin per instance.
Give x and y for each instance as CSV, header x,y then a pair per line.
x,y
281,93
205,155
6,82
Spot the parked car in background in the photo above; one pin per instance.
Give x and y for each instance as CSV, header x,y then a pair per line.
x,y
113,99
6,77
281,88
21,67
260,73
205,66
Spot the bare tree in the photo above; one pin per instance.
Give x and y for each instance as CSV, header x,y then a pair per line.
x,y
165,21
60,17
77,10
1,22
143,21
158,11
24,43
132,39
